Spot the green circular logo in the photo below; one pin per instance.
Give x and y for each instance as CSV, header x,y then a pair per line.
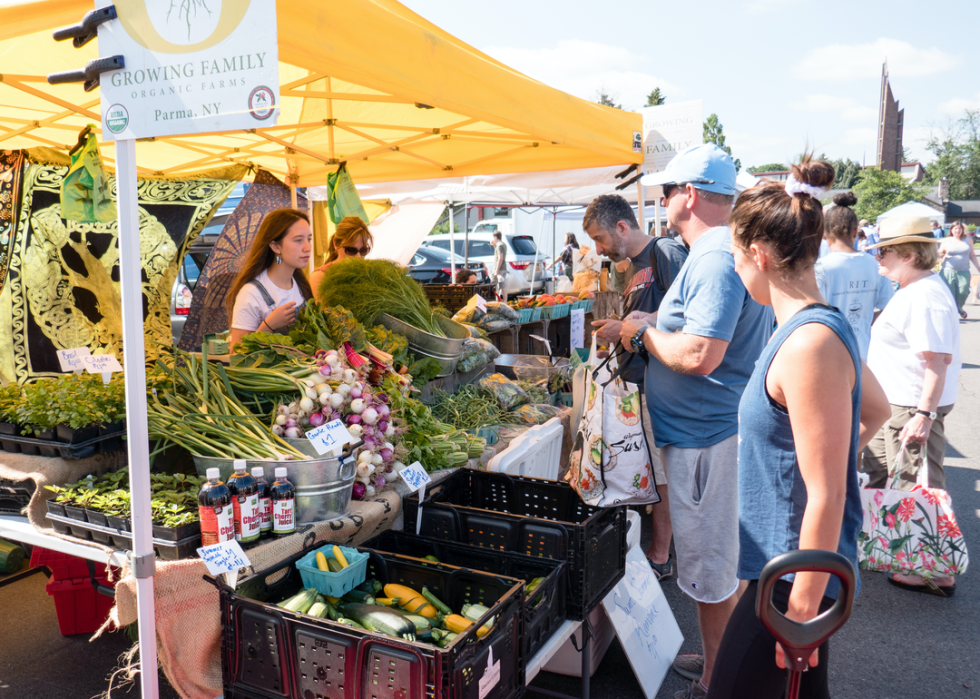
x,y
117,118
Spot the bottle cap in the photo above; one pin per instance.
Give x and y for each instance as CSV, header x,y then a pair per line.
x,y
258,472
281,472
240,464
213,474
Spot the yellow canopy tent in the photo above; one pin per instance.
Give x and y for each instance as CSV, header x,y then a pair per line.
x,y
363,81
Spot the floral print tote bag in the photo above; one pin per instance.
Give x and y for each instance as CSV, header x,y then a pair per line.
x,y
912,532
610,457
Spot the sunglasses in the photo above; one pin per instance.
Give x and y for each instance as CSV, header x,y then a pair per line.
x,y
351,252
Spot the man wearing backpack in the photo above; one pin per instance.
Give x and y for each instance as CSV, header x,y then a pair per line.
x,y
654,262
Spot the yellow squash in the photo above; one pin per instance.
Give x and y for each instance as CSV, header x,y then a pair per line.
x,y
411,601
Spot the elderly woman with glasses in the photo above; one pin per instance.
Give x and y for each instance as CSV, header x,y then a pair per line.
x,y
915,354
351,239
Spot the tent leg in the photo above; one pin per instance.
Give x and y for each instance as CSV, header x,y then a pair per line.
x,y
138,441
292,191
452,242
640,206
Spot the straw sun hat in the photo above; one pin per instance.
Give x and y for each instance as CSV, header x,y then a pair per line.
x,y
905,229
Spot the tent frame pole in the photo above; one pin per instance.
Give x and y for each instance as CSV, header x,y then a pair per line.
x,y
452,242
138,441
640,206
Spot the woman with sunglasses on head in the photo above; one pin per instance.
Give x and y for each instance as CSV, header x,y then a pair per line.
x,y
271,286
351,239
807,410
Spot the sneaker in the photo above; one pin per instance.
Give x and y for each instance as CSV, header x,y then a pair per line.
x,y
689,666
695,691
663,570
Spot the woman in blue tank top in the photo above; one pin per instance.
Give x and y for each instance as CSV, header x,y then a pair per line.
x,y
803,418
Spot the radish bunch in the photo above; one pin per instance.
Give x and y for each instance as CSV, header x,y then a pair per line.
x,y
337,392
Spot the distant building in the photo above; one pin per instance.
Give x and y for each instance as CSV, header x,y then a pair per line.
x,y
891,120
776,175
913,171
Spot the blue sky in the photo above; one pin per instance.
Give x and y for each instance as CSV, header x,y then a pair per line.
x,y
780,74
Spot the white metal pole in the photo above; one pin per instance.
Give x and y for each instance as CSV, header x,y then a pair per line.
x,y
640,205
138,441
452,242
292,191
314,262
656,214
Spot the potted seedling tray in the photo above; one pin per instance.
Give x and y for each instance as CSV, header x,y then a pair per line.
x,y
268,651
45,444
167,550
15,495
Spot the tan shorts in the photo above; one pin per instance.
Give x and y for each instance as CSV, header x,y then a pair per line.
x,y
656,463
704,513
882,452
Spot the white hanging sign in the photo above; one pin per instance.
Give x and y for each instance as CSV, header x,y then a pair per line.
x,y
577,328
669,129
226,557
416,479
191,67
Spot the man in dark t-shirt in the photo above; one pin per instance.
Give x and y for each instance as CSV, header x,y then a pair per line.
x,y
611,224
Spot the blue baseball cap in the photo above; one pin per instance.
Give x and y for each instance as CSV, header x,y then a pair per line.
x,y
706,166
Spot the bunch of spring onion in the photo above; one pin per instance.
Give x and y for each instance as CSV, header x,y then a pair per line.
x,y
335,391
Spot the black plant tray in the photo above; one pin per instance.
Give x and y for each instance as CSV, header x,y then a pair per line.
x,y
49,446
15,495
165,550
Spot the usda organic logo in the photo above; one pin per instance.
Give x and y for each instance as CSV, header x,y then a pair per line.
x,y
117,118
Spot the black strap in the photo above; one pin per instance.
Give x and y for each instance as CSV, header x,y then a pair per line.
x,y
654,268
263,291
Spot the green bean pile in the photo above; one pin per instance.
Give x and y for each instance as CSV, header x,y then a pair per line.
x,y
469,408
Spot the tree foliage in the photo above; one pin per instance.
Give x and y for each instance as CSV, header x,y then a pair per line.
x,y
846,173
957,151
880,190
655,98
442,226
768,167
714,133
604,98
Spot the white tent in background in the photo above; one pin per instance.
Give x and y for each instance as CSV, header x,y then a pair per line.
x,y
914,208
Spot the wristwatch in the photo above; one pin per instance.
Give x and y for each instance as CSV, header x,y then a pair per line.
x,y
928,414
637,341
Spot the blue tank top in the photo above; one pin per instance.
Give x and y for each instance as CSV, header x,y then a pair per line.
x,y
771,492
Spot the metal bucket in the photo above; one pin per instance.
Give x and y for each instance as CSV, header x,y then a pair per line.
x,y
323,484
445,350
530,367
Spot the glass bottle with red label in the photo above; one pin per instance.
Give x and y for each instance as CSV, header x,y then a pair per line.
x,y
245,500
283,497
265,502
216,511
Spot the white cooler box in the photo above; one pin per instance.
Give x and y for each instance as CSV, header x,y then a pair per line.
x,y
568,661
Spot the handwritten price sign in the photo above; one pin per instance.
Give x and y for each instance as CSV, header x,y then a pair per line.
x,y
73,359
332,436
226,557
481,302
416,479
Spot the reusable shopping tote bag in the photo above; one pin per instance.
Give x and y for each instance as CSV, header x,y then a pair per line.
x,y
610,459
911,532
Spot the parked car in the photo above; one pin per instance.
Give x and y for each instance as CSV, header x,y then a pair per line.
x,y
432,265
195,259
520,255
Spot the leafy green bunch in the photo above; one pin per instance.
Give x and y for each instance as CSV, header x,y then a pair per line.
x,y
368,288
10,397
72,400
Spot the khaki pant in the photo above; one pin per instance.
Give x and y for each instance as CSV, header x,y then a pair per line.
x,y
879,456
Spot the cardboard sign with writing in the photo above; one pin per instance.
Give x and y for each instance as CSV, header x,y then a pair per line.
x,y
644,624
416,479
332,436
226,557
73,359
577,328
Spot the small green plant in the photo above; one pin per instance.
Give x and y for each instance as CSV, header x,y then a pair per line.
x,y
72,400
10,398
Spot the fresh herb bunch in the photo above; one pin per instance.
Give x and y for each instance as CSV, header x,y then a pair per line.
x,y
10,398
368,288
326,328
72,400
263,350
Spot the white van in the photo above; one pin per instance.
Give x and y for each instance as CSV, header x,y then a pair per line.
x,y
520,254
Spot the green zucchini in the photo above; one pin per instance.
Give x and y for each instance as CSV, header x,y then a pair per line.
x,y
300,602
381,619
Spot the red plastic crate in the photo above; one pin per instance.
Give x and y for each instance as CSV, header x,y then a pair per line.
x,y
63,566
80,607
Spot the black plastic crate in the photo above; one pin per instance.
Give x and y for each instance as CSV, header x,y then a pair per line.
x,y
454,296
534,517
270,653
544,609
166,550
46,443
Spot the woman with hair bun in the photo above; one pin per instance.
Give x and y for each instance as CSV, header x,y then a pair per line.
x,y
849,280
806,412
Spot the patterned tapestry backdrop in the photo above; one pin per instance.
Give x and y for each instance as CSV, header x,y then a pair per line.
x,y
62,286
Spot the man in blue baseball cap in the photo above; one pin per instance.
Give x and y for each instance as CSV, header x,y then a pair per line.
x,y
702,346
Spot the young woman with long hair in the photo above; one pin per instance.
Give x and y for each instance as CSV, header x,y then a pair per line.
x,y
807,410
351,239
271,286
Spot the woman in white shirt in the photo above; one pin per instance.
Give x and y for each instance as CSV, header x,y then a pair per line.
x,y
915,355
956,253
849,280
271,286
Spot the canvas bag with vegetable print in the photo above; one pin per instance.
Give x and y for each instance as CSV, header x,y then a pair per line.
x,y
911,532
610,458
